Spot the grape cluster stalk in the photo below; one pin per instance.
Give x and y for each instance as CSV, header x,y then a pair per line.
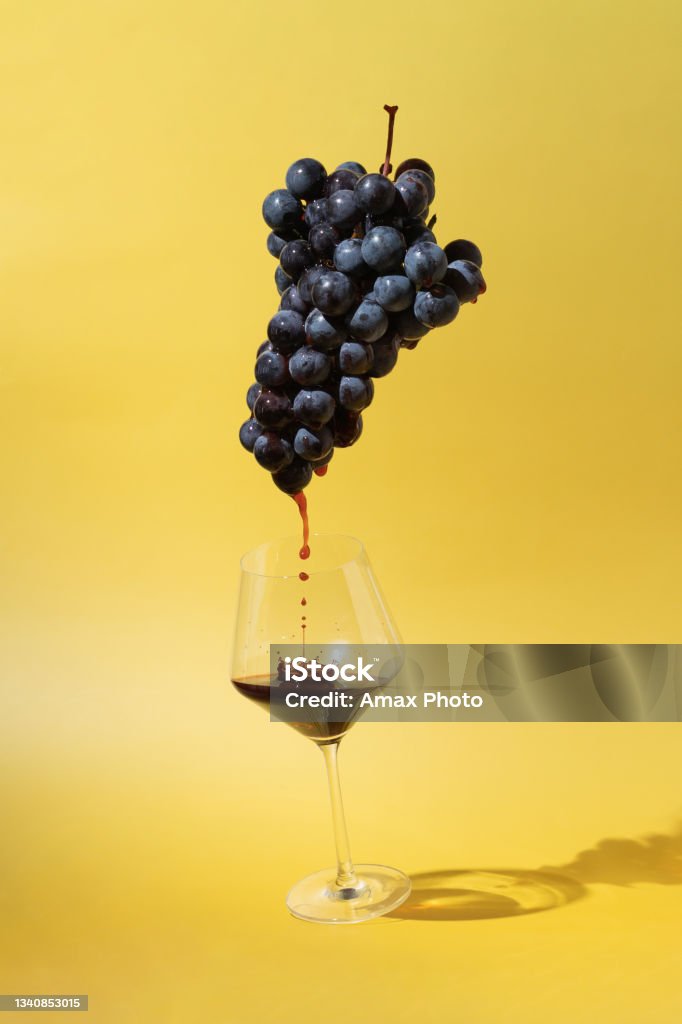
x,y
360,277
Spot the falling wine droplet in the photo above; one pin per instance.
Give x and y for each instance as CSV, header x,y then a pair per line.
x,y
300,500
303,601
303,576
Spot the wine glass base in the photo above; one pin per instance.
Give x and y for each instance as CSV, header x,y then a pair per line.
x,y
377,890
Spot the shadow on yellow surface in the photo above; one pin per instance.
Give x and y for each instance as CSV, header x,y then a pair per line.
x,y
472,894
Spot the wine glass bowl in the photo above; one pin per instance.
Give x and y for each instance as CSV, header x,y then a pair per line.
x,y
330,599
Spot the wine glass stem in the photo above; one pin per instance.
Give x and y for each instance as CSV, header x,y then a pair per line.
x,y
345,874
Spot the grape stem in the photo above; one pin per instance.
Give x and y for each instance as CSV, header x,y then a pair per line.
x,y
391,111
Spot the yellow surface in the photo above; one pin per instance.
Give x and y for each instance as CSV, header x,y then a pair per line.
x,y
152,821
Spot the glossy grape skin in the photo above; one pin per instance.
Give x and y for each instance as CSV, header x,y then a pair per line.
x,y
314,407
344,212
286,331
265,346
272,409
407,325
462,249
282,211
249,432
383,248
348,258
272,370
334,293
425,179
355,393
272,451
323,239
346,426
374,193
425,263
296,257
316,213
294,477
386,352
413,194
291,299
368,322
306,178
307,280
394,292
282,281
436,306
466,280
341,178
275,244
352,165
355,357
253,393
308,366
313,444
415,163
324,332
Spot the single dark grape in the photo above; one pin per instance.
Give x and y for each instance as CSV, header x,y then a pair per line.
x,y
334,293
425,263
323,239
415,230
352,165
307,280
316,212
294,477
275,244
249,432
272,409
466,280
253,393
306,178
282,281
461,249
383,248
265,346
344,212
436,306
313,444
308,366
413,194
291,299
394,292
426,180
347,427
314,407
324,332
341,178
272,451
282,211
355,393
296,257
374,193
368,322
355,357
348,258
286,331
272,369
415,163
386,351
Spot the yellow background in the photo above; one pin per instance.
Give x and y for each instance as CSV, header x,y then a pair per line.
x,y
518,481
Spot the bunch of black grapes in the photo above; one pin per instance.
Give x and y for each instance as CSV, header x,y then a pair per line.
x,y
360,276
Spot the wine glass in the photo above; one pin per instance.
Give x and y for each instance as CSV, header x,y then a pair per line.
x,y
330,599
